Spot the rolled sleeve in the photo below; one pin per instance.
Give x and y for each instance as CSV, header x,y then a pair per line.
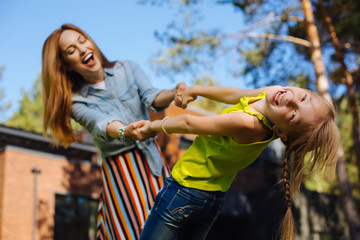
x,y
94,121
147,91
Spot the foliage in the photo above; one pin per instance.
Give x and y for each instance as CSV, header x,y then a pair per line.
x,y
253,55
262,48
30,115
204,103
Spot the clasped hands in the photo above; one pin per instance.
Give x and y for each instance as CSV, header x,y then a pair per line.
x,y
140,130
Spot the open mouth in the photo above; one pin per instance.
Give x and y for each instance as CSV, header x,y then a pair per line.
x,y
88,58
278,96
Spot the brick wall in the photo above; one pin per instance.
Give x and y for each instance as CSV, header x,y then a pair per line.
x,y
58,175
2,177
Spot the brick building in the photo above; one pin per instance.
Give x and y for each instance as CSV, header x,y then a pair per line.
x,y
50,193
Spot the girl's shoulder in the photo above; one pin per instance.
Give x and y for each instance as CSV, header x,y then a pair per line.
x,y
252,128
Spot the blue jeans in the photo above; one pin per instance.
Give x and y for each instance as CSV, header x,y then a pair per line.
x,y
182,213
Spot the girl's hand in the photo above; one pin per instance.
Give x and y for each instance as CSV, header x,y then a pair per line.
x,y
184,96
133,132
180,87
146,131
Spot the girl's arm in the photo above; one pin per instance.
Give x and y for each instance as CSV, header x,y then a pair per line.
x,y
243,127
229,95
132,131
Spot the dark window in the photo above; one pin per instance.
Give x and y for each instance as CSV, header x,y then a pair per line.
x,y
75,217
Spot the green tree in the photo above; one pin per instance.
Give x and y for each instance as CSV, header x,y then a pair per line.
x,y
30,114
29,117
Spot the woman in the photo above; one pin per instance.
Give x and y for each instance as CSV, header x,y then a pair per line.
x,y
104,97
193,196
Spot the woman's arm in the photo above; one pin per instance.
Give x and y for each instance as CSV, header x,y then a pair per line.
x,y
148,94
103,126
165,97
229,95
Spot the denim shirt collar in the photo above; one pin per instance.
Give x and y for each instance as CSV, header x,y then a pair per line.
x,y
84,90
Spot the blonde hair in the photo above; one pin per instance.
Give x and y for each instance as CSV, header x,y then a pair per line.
x,y
320,143
58,83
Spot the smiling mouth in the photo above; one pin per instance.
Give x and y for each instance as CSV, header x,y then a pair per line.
x,y
87,58
278,96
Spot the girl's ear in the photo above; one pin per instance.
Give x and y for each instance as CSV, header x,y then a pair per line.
x,y
280,133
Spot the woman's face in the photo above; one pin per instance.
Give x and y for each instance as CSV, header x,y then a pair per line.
x,y
79,54
293,109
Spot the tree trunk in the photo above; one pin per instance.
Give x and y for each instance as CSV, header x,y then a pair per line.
x,y
323,85
347,198
315,48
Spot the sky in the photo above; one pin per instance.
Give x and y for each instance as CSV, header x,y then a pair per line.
x,y
123,29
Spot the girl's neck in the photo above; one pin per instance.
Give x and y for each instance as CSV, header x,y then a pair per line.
x,y
258,107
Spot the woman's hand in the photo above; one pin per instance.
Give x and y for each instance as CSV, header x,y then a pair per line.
x,y
133,131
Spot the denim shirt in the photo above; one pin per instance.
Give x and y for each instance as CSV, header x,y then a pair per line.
x,y
127,97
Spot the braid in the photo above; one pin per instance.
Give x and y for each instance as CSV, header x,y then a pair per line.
x,y
287,226
286,182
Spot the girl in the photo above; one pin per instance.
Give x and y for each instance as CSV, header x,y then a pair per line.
x,y
192,197
79,82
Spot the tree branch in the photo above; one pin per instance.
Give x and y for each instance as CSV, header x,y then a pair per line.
x,y
244,33
295,40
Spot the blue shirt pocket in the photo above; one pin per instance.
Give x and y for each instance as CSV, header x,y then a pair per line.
x,y
102,107
132,101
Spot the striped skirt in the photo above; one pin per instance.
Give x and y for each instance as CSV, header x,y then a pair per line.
x,y
127,195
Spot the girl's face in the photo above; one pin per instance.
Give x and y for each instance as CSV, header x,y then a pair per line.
x,y
79,54
292,109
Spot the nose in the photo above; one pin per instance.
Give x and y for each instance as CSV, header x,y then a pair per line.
x,y
82,50
290,99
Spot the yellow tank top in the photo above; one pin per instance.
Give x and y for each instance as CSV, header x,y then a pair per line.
x,y
212,162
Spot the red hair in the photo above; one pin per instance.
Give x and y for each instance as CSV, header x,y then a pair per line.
x,y
58,85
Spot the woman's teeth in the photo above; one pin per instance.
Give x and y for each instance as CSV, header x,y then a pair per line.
x,y
87,57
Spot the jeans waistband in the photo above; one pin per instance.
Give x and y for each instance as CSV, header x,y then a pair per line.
x,y
216,194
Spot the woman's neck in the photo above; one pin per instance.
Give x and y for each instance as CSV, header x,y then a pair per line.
x,y
94,77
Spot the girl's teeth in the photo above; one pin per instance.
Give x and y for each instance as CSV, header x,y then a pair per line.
x,y
278,97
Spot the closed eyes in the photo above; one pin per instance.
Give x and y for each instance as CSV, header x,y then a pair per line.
x,y
71,49
82,39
